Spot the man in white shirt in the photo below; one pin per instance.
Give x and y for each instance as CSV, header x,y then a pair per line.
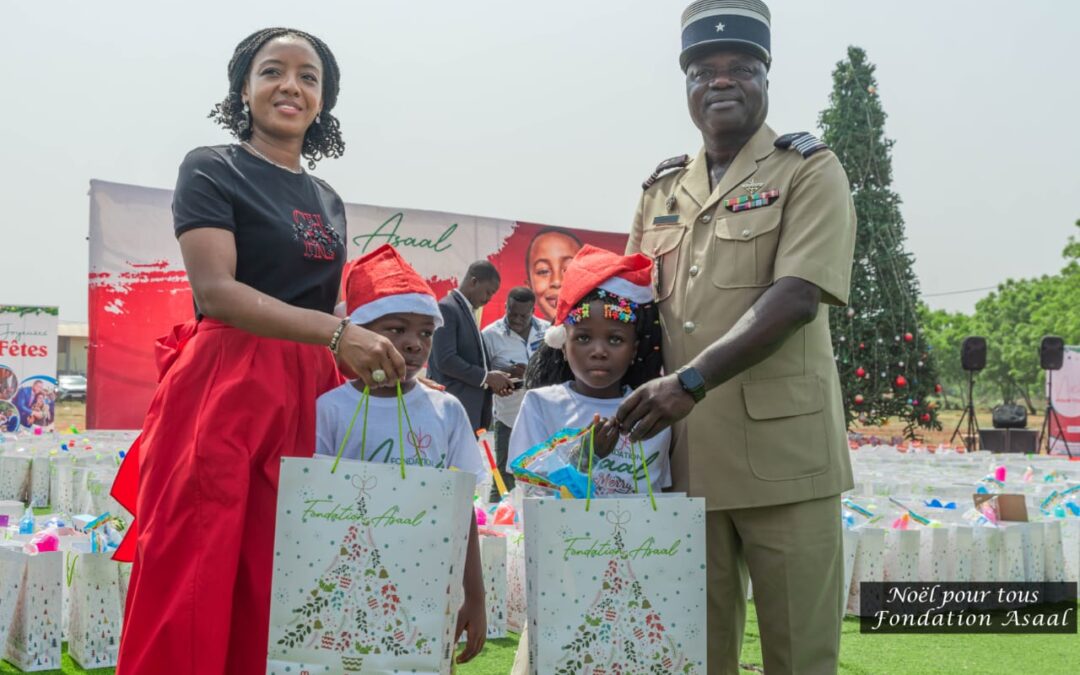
x,y
510,342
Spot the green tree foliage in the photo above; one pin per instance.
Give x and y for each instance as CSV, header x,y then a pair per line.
x,y
945,331
886,367
1013,319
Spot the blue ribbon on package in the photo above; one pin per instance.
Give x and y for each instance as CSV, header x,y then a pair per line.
x,y
936,504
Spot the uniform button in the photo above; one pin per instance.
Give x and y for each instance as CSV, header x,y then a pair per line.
x,y
689,326
746,234
706,218
694,269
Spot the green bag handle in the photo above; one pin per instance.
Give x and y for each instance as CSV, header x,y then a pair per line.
x,y
365,404
634,449
70,558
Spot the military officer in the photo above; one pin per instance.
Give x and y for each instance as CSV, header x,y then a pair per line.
x,y
750,238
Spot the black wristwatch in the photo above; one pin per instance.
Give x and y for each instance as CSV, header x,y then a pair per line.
x,y
692,381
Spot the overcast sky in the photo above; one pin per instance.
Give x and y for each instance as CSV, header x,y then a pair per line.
x,y
549,112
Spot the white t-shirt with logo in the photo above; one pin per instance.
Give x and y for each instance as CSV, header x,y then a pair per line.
x,y
547,410
440,429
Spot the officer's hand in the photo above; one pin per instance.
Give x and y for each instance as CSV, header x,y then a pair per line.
x,y
653,407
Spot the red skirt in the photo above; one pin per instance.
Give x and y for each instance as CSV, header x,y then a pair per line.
x,y
201,480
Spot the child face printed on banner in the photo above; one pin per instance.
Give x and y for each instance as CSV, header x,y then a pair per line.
x,y
600,352
546,260
411,335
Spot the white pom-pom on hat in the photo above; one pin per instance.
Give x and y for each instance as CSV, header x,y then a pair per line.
x,y
555,337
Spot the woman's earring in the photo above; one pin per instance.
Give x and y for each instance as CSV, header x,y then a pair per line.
x,y
245,121
318,118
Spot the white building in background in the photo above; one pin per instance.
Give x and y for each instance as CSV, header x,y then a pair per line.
x,y
72,343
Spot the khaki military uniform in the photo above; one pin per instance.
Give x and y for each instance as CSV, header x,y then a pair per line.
x,y
766,449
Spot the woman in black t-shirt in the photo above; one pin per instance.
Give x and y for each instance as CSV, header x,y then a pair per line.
x,y
263,244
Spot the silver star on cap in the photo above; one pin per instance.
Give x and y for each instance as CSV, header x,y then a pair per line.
x,y
720,27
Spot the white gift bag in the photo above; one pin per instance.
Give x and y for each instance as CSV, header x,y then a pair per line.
x,y
15,477
368,564
68,484
851,548
493,556
1012,550
1070,545
95,608
1034,547
515,581
616,585
868,564
934,554
902,555
961,540
12,569
39,482
1054,561
35,636
986,554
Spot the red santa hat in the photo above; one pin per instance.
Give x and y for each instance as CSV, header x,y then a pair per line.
x,y
382,283
627,276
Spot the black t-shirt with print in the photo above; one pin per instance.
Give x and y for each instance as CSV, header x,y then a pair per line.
x,y
289,228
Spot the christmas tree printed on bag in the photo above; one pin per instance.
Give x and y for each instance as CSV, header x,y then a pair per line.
x,y
354,608
623,633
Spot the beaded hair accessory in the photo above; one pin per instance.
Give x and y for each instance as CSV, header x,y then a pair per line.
x,y
615,307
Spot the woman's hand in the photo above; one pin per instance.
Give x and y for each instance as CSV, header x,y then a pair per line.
x,y
362,352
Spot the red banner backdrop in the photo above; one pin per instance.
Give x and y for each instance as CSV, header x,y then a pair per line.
x,y
138,288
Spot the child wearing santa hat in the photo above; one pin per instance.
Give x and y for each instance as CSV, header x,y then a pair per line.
x,y
605,341
387,296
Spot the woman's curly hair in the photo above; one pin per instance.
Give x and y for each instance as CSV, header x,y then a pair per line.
x,y
322,139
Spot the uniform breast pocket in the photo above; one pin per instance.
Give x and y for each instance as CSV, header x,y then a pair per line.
x,y
744,248
662,244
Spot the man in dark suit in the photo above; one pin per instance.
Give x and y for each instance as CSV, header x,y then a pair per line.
x,y
458,360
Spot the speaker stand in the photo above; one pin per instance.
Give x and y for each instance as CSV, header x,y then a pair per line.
x,y
971,437
1051,412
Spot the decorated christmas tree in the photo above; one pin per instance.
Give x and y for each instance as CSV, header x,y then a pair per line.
x,y
354,607
623,633
886,366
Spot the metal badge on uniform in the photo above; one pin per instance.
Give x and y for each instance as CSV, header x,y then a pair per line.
x,y
670,203
751,186
666,220
752,201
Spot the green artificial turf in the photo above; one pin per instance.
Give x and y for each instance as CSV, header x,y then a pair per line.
x,y
859,654
66,666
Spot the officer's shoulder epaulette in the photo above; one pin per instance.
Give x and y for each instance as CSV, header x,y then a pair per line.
x,y
803,141
668,164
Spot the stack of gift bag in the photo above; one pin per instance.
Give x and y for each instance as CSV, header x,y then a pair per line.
x,y
58,582
941,514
